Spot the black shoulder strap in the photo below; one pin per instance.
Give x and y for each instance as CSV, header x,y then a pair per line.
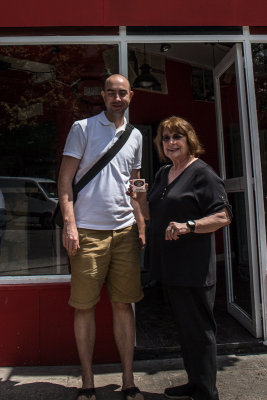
x,y
103,161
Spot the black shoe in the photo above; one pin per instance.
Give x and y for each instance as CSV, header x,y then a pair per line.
x,y
199,396
179,392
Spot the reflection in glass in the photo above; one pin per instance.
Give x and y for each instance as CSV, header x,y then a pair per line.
x,y
231,127
44,89
259,51
239,253
50,188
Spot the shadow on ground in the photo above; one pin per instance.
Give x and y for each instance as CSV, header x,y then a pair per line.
x,y
11,390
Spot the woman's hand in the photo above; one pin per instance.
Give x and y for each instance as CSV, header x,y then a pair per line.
x,y
140,197
175,230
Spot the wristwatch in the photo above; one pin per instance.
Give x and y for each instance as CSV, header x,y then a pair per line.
x,y
191,225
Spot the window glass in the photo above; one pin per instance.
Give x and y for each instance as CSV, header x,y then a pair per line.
x,y
258,30
44,89
240,275
184,30
260,73
61,30
231,125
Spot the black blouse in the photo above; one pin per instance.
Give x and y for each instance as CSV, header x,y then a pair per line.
x,y
197,192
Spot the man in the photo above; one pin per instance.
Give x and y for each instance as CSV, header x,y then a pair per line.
x,y
100,232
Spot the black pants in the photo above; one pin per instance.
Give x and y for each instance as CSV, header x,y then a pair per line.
x,y
193,311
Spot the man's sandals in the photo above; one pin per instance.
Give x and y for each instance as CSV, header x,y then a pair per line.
x,y
132,393
89,393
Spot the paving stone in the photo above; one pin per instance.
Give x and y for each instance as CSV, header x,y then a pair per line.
x,y
239,378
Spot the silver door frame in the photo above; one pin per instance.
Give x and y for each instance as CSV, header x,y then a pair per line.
x,y
243,184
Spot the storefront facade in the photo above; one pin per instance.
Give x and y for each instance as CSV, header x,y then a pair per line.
x,y
209,67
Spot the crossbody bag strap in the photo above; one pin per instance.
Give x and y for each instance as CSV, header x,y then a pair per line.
x,y
103,161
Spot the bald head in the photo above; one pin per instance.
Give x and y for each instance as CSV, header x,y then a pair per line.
x,y
117,78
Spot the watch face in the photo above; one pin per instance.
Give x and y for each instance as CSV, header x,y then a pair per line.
x,y
191,225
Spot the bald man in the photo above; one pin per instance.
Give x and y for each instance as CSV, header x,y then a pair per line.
x,y
101,231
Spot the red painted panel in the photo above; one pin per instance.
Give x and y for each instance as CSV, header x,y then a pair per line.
x,y
19,326
51,13
121,12
37,326
57,343
179,101
127,12
184,13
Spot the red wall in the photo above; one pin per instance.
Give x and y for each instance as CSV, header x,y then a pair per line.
x,y
150,108
34,13
37,326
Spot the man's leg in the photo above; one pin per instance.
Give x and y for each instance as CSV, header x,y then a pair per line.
x,y
124,286
124,333
85,331
88,272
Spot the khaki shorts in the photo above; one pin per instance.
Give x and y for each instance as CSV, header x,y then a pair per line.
x,y
106,256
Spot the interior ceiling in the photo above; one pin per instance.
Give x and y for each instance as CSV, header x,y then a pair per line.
x,y
205,55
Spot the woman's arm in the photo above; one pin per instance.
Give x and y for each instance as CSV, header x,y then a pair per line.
x,y
213,222
207,224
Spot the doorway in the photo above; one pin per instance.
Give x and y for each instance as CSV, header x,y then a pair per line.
x,y
203,83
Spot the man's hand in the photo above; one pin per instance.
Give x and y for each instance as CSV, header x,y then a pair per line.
x,y
70,238
142,239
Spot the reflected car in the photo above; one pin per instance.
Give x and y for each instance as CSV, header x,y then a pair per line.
x,y
29,201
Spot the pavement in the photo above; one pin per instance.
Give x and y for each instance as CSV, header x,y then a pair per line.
x,y
240,377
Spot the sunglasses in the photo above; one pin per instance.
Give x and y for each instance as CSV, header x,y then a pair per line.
x,y
175,137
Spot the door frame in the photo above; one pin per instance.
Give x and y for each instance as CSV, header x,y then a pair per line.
x,y
244,184
256,161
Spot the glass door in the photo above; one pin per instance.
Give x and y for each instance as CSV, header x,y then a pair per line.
x,y
242,281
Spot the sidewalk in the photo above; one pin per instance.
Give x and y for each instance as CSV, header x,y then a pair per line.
x,y
239,378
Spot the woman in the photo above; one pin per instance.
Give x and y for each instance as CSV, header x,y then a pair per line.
x,y
186,205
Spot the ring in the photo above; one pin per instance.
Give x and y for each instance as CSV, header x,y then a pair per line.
x,y
172,230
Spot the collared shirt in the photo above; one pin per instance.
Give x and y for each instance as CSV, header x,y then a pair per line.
x,y
103,203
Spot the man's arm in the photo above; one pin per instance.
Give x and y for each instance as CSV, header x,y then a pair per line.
x,y
68,168
135,174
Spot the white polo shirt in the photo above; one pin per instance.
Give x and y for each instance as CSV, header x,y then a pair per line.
x,y
103,203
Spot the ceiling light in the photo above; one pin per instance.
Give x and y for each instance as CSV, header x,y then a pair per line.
x,y
146,80
165,47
